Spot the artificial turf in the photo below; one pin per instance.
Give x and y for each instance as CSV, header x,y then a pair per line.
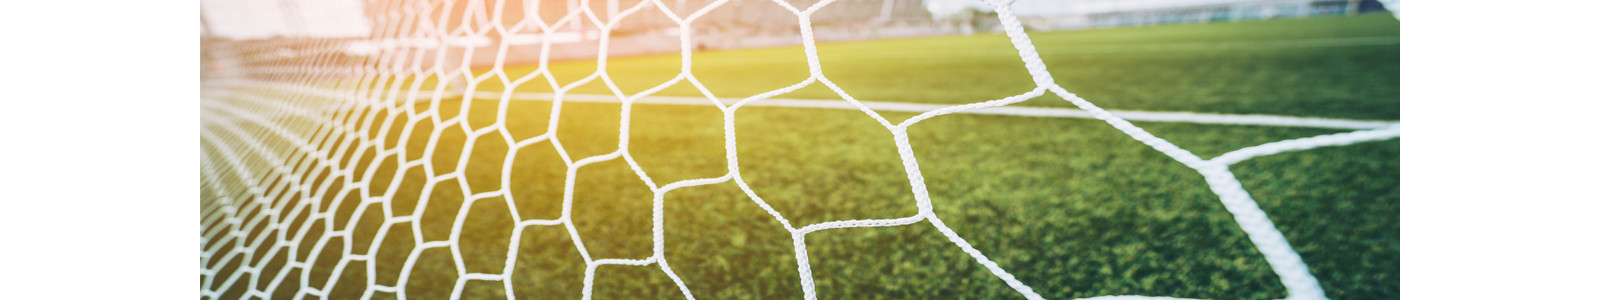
x,y
1343,67
1072,207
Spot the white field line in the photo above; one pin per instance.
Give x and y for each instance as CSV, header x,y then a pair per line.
x,y
1232,45
1062,49
1148,116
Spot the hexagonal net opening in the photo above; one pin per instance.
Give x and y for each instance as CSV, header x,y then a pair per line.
x,y
786,148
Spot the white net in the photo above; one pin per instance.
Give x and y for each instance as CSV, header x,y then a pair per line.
x,y
309,132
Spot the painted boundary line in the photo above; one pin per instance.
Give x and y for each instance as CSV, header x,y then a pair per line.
x,y
1148,116
1231,45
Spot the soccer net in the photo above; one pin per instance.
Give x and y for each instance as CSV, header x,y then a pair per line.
x,y
310,109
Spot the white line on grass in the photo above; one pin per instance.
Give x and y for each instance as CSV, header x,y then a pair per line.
x,y
1231,45
1148,116
1122,48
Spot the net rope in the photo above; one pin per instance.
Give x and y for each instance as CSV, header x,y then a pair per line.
x,y
291,125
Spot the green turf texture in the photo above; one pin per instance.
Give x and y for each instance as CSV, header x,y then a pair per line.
x,y
1072,207
1242,68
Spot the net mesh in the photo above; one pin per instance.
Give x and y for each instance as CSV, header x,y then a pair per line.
x,y
298,141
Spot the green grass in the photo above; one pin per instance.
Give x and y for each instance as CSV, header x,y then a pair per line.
x,y
1071,207
1216,70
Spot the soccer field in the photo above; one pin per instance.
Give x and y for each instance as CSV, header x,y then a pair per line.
x,y
1072,207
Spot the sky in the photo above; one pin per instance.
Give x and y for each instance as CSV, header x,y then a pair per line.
x,y
345,18
263,19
